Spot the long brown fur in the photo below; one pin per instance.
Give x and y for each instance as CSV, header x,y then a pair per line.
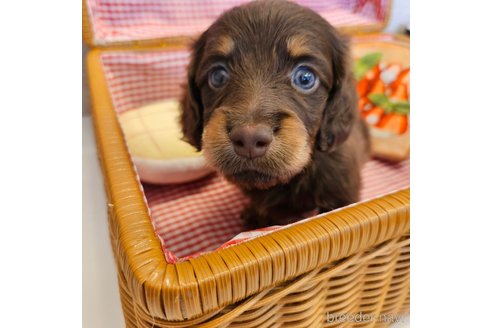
x,y
320,142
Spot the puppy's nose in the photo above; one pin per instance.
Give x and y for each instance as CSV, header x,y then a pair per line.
x,y
251,141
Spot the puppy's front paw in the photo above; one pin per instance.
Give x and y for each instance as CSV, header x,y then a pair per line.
x,y
252,219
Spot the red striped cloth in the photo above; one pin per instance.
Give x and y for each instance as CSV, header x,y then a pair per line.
x,y
137,78
203,215
127,20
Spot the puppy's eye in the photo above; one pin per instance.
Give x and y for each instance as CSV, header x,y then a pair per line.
x,y
304,79
218,77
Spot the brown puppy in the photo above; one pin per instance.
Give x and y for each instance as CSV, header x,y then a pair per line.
x,y
272,103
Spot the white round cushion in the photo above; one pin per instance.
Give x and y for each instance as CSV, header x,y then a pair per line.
x,y
154,139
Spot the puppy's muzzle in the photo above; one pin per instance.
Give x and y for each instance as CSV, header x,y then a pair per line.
x,y
251,141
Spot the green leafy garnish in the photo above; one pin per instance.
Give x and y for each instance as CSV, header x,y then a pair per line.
x,y
401,107
379,99
390,106
366,63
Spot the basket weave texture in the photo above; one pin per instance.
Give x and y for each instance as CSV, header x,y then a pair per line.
x,y
352,265
348,261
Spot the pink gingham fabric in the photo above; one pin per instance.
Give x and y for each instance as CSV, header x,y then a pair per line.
x,y
139,78
128,20
202,215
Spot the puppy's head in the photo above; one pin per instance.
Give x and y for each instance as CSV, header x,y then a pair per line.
x,y
269,82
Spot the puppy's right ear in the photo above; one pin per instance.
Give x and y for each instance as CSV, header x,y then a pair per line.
x,y
191,103
341,111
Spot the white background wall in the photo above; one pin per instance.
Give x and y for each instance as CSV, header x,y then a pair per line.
x,y
400,16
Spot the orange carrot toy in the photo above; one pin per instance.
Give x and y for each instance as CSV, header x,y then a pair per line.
x,y
364,104
400,93
363,87
403,78
373,115
394,122
377,87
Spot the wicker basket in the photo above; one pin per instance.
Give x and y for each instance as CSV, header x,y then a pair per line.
x,y
347,268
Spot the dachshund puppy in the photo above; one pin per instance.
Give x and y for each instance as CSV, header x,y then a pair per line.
x,y
271,101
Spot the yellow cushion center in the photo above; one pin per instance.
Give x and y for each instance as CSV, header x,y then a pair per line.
x,y
154,132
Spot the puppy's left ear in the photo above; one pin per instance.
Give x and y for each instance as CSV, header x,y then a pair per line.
x,y
191,103
340,111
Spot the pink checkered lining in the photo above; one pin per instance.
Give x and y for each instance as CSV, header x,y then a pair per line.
x,y
128,20
203,215
138,78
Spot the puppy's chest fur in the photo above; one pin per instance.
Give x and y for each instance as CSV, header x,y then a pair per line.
x,y
330,181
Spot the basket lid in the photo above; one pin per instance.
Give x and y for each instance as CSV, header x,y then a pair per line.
x,y
151,22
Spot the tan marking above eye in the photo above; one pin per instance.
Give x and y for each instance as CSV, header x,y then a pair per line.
x,y
297,45
223,45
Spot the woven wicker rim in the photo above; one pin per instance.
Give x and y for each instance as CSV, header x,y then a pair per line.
x,y
210,282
